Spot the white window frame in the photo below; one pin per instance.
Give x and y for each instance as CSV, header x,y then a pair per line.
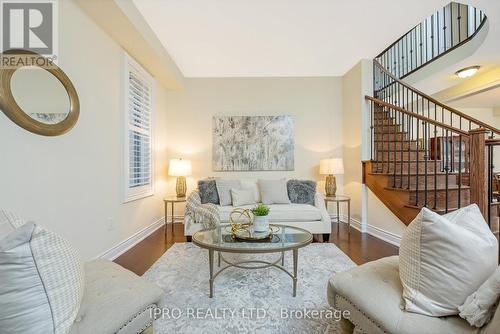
x,y
135,193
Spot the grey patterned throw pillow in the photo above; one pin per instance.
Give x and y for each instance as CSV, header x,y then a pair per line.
x,y
208,191
301,191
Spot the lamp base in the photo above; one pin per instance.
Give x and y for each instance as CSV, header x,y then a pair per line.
x,y
180,186
330,186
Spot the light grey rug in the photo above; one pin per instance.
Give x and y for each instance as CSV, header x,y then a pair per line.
x,y
245,301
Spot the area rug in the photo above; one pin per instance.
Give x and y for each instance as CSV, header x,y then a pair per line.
x,y
246,301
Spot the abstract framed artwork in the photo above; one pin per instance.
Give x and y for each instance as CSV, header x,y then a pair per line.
x,y
253,143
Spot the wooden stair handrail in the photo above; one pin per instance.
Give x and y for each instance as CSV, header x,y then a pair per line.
x,y
436,102
420,117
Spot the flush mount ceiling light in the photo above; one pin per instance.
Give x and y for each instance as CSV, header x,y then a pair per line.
x,y
467,72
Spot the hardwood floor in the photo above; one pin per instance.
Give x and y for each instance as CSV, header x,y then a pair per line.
x,y
359,247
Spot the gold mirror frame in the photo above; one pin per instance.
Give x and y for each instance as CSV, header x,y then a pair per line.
x,y
13,111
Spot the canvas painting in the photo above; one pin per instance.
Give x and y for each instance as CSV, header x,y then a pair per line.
x,y
253,143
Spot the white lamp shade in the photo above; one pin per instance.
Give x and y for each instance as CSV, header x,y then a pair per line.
x,y
331,166
179,167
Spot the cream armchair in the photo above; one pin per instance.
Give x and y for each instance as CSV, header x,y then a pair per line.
x,y
372,295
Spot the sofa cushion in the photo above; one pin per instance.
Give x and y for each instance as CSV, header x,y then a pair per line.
x,y
443,259
301,191
372,293
273,191
224,189
116,300
41,281
242,197
280,212
208,191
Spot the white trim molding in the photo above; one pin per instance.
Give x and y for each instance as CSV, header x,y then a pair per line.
x,y
130,242
377,232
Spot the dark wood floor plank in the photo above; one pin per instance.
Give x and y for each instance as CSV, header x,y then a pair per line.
x,y
359,247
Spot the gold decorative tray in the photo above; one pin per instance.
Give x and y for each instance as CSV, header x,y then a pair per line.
x,y
248,234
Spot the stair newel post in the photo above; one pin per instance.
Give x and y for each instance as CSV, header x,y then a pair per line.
x,y
490,182
371,131
435,157
394,137
417,160
447,169
426,135
460,162
478,187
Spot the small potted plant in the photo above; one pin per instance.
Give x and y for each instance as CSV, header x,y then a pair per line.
x,y
260,221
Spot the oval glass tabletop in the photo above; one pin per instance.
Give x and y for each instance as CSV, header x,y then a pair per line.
x,y
283,238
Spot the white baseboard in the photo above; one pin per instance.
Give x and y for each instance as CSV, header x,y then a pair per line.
x,y
130,242
377,232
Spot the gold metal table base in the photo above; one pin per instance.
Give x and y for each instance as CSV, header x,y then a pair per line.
x,y
260,264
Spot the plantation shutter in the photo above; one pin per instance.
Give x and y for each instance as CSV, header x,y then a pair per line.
x,y
139,131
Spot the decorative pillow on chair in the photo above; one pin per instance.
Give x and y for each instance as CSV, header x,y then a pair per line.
x,y
41,281
479,307
242,197
224,189
274,191
208,191
443,259
301,192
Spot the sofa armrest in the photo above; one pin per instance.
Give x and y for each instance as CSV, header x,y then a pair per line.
x,y
206,214
319,202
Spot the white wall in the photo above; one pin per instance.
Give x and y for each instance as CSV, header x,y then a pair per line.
x,y
374,217
314,103
72,184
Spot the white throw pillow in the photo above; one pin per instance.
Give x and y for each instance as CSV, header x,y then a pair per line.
x,y
274,191
479,307
41,281
224,187
443,259
242,197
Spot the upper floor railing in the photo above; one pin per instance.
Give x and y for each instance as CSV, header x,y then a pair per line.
x,y
390,89
443,31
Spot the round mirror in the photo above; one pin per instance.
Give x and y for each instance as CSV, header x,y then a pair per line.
x,y
40,95
40,100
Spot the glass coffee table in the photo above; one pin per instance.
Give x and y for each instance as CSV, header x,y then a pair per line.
x,y
284,238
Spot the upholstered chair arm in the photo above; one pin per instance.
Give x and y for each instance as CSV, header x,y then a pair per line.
x,y
319,202
206,214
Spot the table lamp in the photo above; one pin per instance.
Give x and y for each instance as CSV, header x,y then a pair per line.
x,y
330,167
180,168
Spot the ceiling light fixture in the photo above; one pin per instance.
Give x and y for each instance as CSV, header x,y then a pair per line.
x,y
467,72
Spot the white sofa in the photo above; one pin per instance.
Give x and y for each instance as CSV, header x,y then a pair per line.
x,y
313,218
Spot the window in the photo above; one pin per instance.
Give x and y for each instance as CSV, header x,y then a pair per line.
x,y
138,164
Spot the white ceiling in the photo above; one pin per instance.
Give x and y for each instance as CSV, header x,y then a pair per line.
x,y
487,99
265,38
487,55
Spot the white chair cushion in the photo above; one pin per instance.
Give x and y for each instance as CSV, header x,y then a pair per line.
x,y
443,259
41,281
372,294
280,212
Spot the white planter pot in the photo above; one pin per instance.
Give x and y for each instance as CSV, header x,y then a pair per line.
x,y
260,223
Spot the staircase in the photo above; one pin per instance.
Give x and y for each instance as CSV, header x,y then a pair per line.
x,y
423,152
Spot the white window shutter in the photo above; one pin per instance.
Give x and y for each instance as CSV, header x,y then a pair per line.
x,y
138,132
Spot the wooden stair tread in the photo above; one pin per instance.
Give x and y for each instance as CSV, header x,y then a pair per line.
x,y
430,188
415,174
437,209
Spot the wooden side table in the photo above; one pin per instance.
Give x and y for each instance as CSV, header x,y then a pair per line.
x,y
341,199
171,200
